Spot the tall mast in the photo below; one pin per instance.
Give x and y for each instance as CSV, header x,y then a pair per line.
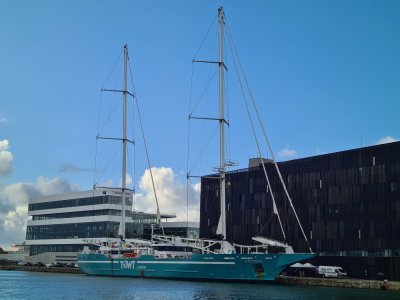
x,y
221,124
124,140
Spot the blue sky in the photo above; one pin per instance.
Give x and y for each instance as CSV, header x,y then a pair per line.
x,y
325,76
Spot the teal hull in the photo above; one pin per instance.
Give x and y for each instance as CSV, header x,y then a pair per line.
x,y
210,267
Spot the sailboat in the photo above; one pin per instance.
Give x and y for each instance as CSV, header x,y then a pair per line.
x,y
193,259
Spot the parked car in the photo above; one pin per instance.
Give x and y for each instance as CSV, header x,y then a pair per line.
x,y
70,265
301,270
39,264
59,265
331,271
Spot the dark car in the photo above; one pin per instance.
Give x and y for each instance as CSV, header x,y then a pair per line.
x,y
59,265
71,265
39,264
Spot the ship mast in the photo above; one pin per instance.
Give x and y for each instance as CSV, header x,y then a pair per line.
x,y
221,125
124,141
221,229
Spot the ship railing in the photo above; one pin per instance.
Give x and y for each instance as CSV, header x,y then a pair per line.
x,y
247,249
203,245
268,242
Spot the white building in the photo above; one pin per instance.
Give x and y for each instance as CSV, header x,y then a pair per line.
x,y
61,223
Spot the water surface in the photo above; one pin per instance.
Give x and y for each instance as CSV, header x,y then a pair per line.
x,y
41,286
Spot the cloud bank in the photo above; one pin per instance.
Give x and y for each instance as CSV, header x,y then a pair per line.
x,y
14,205
14,198
173,195
287,153
6,159
71,168
385,140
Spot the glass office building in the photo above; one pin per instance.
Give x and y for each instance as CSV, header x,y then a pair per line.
x,y
61,223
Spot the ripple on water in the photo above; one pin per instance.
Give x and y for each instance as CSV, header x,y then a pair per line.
x,y
42,286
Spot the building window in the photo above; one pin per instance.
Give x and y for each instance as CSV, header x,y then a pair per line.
x,y
69,231
242,202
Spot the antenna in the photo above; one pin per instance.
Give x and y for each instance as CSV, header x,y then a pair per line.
x,y
361,140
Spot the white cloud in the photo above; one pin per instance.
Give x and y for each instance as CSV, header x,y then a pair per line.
x,y
129,180
385,140
6,163
3,120
13,214
18,193
171,195
287,153
6,159
55,186
110,183
14,198
71,168
4,144
14,205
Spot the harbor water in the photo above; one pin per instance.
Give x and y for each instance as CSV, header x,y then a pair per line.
x,y
37,285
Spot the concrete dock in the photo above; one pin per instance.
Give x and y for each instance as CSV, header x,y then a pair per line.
x,y
42,269
312,281
341,283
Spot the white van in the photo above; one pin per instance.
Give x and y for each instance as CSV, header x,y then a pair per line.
x,y
330,271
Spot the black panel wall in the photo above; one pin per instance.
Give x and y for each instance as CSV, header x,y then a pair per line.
x,y
348,202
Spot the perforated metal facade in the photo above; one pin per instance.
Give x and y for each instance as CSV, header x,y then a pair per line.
x,y
348,202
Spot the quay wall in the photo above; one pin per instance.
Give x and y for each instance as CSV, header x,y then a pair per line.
x,y
341,283
363,267
42,269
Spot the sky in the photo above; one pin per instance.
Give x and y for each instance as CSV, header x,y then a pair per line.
x,y
325,76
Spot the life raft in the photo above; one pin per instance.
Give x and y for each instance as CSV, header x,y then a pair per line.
x,y
130,254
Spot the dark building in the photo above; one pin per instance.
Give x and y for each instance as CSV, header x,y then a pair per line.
x,y
348,203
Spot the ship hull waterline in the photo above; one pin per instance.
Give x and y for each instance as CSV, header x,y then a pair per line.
x,y
204,267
